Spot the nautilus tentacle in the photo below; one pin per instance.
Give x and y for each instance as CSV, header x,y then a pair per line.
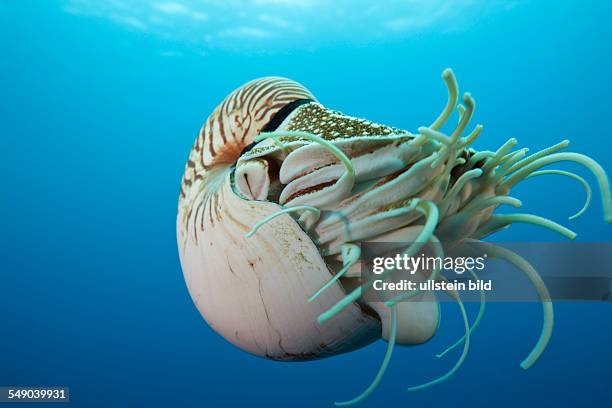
x,y
280,192
474,325
383,366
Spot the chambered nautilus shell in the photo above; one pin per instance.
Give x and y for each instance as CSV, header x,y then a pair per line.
x,y
279,191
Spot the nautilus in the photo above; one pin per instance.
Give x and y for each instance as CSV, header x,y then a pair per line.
x,y
279,192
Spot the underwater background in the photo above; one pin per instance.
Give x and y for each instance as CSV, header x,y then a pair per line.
x,y
100,102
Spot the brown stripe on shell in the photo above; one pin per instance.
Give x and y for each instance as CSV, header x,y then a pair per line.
x,y
230,128
254,102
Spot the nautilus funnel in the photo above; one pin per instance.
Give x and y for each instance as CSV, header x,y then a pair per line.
x,y
280,191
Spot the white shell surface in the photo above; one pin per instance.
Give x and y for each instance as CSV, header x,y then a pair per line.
x,y
253,291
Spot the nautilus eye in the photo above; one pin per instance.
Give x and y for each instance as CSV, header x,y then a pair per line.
x,y
280,192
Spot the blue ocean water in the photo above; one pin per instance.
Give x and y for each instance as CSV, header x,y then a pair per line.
x,y
100,103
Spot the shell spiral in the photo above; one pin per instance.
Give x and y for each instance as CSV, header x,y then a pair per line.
x,y
235,122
